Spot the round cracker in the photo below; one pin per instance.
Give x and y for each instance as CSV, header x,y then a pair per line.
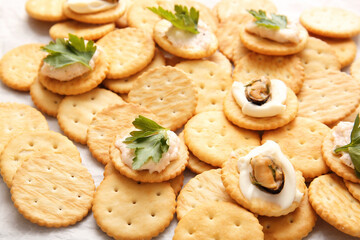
x,y
221,60
333,203
233,112
355,69
230,177
287,69
142,213
211,82
168,92
16,118
331,22
52,190
46,101
270,47
129,49
110,122
328,96
203,188
102,17
76,112
20,66
27,144
218,220
124,85
46,10
81,84
210,137
353,188
85,30
301,142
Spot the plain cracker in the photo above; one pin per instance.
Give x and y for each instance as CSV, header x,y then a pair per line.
x,y
46,10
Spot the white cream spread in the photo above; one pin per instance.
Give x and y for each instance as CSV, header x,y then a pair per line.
x,y
289,34
69,72
273,106
90,6
127,154
341,135
288,194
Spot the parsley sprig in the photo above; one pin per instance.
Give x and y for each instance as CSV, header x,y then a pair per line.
x,y
64,52
353,148
182,19
275,22
150,143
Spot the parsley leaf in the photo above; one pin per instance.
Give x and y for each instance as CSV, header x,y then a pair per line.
x,y
150,143
275,22
353,148
66,52
182,19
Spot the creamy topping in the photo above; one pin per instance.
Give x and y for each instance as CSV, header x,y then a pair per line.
x,y
71,71
127,154
341,135
90,6
289,34
289,192
272,107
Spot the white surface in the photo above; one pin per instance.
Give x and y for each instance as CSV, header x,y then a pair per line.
x,y
16,28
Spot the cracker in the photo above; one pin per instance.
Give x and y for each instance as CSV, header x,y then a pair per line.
x,y
110,122
122,21
46,101
125,209
270,47
295,225
353,188
328,96
333,161
76,112
211,81
218,220
129,49
85,30
234,114
20,66
16,118
331,22
53,190
169,93
81,84
355,69
230,177
203,188
221,60
333,203
124,85
27,144
352,116
301,142
210,137
318,56
46,10
102,17
287,69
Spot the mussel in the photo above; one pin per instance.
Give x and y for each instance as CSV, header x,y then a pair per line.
x,y
258,91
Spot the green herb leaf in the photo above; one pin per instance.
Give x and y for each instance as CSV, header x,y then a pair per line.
x,y
150,143
275,22
182,19
66,52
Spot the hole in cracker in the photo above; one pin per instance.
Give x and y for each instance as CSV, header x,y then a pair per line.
x,y
267,226
128,223
74,105
55,146
72,176
161,99
79,196
56,102
158,194
76,121
16,158
54,188
153,214
92,99
291,220
10,129
60,209
211,74
48,168
35,201
21,114
31,144
134,202
211,217
191,71
109,210
29,180
116,190
202,86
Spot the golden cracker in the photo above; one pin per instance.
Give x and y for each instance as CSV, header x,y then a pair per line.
x,y
122,21
142,213
333,203
53,190
221,60
129,49
210,137
211,82
353,188
46,10
218,220
20,66
81,84
203,188
328,96
76,112
27,144
169,93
